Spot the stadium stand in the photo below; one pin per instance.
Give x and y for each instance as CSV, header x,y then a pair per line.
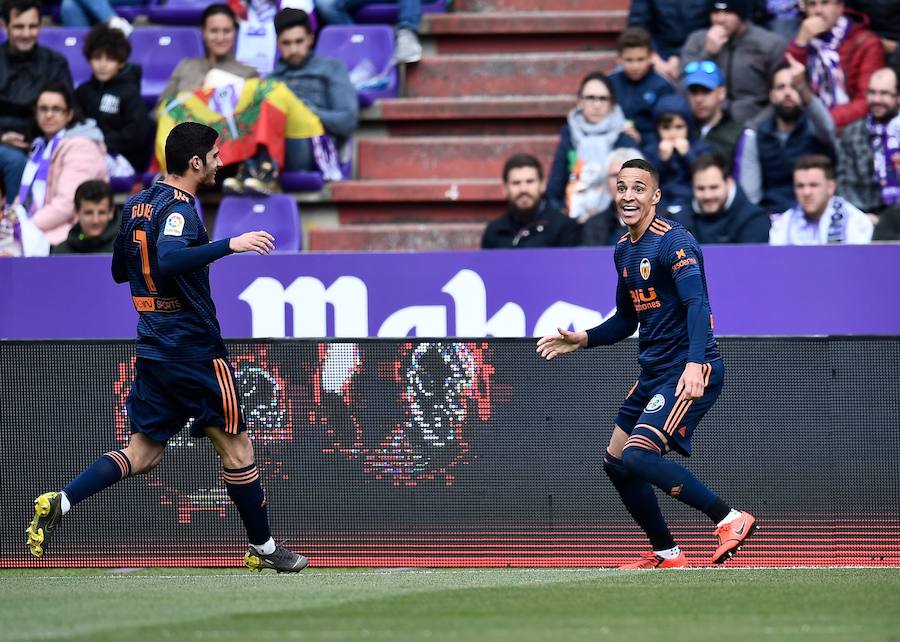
x,y
278,214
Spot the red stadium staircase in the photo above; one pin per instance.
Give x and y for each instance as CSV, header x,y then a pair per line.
x,y
498,78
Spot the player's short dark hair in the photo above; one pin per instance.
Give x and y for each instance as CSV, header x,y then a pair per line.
x,y
20,7
64,90
634,38
602,77
217,10
815,161
709,159
522,160
643,165
104,39
184,142
289,18
93,191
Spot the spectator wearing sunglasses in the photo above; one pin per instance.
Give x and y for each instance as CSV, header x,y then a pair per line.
x,y
594,127
747,55
705,87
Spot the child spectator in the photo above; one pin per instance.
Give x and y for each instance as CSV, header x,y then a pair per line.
x,y
674,153
594,127
112,97
637,86
95,231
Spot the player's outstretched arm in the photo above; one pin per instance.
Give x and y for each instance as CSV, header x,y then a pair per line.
x,y
260,242
563,342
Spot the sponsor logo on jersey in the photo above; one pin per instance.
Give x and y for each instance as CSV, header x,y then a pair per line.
x,y
174,225
655,404
645,268
679,254
644,299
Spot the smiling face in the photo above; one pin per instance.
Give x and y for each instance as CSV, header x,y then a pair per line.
x,y
23,30
94,217
636,196
881,96
711,190
218,35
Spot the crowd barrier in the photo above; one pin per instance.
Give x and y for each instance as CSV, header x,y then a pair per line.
x,y
466,452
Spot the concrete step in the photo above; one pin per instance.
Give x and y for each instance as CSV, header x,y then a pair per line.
x,y
471,115
503,74
488,6
397,237
561,31
432,157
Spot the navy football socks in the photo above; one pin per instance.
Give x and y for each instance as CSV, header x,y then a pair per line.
x,y
248,496
640,500
675,480
108,469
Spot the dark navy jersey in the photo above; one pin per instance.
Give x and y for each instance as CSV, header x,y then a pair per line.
x,y
649,270
177,317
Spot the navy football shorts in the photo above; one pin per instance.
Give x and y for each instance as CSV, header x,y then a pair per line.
x,y
652,402
165,395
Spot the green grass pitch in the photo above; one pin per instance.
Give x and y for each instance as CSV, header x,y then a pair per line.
x,y
519,605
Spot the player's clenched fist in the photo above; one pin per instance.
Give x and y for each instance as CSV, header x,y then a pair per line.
x,y
554,345
260,242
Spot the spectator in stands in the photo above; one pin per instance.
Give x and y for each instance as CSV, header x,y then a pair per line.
x,y
840,54
783,17
112,97
884,16
606,228
820,217
530,221
254,148
720,211
746,53
595,127
705,87
69,152
408,49
636,85
218,27
319,81
24,68
868,174
797,123
669,23
95,231
84,13
676,150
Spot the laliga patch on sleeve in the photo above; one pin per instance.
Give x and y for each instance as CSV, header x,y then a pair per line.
x,y
174,225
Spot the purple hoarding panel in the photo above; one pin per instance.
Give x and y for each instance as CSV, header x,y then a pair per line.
x,y
754,290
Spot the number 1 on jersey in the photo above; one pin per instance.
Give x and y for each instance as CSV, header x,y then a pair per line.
x,y
140,237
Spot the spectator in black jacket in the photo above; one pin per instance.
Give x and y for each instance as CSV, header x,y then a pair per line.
x,y
720,211
25,67
96,229
112,97
529,221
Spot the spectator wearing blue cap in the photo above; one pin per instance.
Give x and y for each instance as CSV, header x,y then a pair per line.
x,y
747,55
705,87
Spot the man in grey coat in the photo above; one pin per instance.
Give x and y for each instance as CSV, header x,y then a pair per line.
x,y
748,55
321,82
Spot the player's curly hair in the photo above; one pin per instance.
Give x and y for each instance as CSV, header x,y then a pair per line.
x,y
104,39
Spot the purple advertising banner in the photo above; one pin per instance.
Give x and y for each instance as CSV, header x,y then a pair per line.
x,y
754,290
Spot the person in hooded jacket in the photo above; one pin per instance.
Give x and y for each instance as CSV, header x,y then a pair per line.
x,y
68,151
720,211
674,151
112,97
96,229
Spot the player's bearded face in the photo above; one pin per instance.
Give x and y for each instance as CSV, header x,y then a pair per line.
x,y
636,195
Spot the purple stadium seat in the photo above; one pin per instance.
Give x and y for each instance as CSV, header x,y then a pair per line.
x,y
68,41
387,13
131,12
302,181
177,12
157,50
367,51
278,215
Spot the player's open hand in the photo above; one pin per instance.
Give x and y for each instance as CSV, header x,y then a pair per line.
x,y
260,242
554,345
691,382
